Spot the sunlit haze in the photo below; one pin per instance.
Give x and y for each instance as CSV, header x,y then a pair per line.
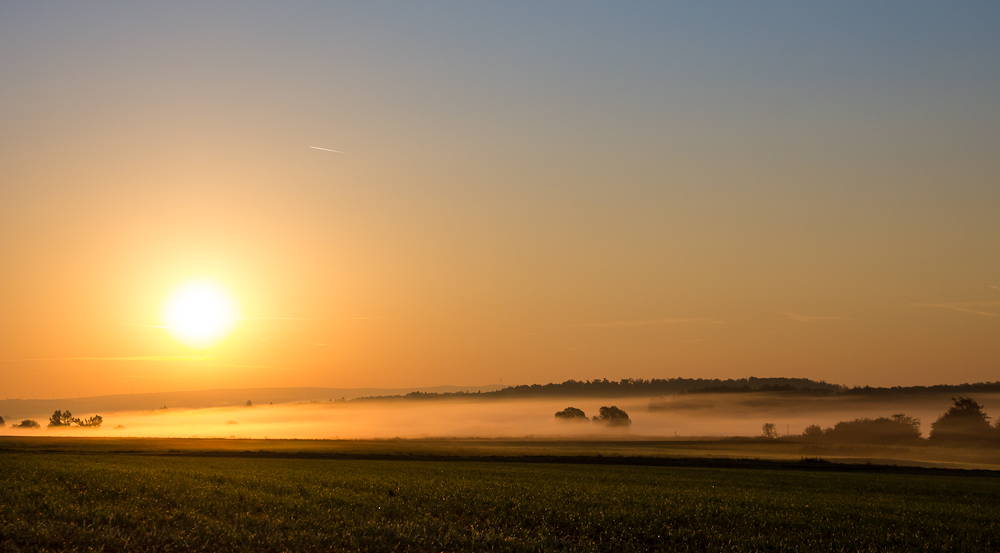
x,y
200,314
399,195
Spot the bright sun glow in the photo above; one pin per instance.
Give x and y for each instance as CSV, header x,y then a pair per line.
x,y
200,314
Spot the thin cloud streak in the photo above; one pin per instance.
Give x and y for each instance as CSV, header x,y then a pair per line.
x,y
277,319
131,358
647,322
235,319
327,150
965,307
810,318
269,367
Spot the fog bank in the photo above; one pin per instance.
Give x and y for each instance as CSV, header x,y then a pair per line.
x,y
690,415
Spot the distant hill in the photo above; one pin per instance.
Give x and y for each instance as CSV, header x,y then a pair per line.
x,y
11,409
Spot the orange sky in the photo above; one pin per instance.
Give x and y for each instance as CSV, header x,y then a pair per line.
x,y
525,194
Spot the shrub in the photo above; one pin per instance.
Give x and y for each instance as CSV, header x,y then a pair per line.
x,y
883,430
27,423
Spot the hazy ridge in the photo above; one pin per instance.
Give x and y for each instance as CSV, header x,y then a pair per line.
x,y
599,388
200,399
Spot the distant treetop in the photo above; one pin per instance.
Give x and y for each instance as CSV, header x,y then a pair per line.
x,y
571,413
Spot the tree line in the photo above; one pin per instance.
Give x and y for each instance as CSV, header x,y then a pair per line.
x,y
965,423
630,387
65,418
61,418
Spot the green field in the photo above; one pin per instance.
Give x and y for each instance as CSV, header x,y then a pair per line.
x,y
128,502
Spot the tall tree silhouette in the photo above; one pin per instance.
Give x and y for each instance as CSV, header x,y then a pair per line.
x,y
613,416
62,418
965,422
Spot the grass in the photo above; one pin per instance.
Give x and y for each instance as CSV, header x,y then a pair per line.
x,y
123,502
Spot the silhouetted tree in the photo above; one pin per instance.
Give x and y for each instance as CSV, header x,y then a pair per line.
x,y
613,416
769,430
2,421
964,422
62,418
571,413
27,423
249,403
94,421
813,432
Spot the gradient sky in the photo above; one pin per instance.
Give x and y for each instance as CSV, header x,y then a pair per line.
x,y
530,192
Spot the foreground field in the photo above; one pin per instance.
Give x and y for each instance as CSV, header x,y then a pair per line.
x,y
134,503
621,447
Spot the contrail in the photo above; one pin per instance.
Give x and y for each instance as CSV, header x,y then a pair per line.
x,y
327,150
962,307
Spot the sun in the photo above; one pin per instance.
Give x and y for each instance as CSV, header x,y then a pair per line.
x,y
200,314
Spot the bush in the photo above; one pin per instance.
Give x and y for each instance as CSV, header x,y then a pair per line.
x,y
613,416
27,423
883,430
571,413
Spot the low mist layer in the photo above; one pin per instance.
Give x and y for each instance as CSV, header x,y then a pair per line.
x,y
709,415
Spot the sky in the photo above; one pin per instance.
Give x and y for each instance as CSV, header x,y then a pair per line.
x,y
521,193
